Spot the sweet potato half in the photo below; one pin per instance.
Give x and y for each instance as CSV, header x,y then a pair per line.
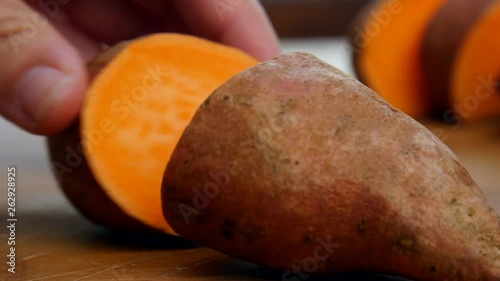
x,y
295,165
144,93
443,38
387,38
475,78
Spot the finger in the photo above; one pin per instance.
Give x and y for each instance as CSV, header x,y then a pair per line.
x,y
240,23
87,46
42,76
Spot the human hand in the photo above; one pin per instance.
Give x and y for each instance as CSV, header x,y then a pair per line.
x,y
45,44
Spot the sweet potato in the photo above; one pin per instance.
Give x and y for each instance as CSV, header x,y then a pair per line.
x,y
387,40
110,163
475,78
295,165
443,38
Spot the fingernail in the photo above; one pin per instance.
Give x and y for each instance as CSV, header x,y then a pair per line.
x,y
39,88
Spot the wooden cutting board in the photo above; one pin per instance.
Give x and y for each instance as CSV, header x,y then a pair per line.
x,y
53,242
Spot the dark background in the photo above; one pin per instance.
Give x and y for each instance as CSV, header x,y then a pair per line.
x,y
299,18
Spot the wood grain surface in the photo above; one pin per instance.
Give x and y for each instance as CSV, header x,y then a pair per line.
x,y
53,242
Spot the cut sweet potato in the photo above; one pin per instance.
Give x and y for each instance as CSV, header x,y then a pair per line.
x,y
443,39
475,79
387,39
133,115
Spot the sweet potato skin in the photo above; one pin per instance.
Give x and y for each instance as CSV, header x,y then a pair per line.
x,y
80,186
295,165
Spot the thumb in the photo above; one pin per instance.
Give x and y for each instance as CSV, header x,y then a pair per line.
x,y
42,76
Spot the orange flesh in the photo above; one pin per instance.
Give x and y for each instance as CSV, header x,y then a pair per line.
x,y
138,133
390,64
476,73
